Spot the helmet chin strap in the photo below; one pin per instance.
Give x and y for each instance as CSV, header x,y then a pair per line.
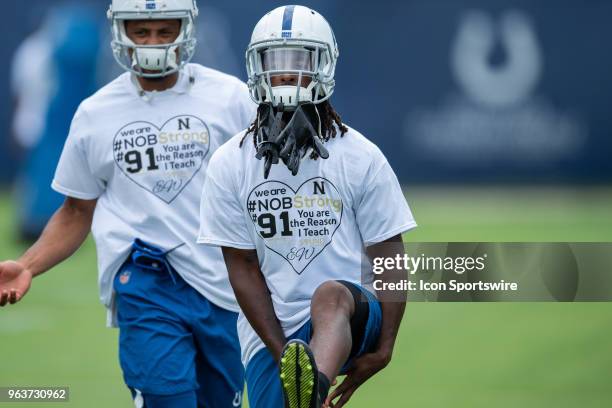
x,y
155,59
288,96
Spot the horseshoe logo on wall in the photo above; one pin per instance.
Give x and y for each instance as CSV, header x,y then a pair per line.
x,y
506,85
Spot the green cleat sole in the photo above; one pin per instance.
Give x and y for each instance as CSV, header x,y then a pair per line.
x,y
299,376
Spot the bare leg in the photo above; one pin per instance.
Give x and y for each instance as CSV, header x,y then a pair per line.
x,y
331,309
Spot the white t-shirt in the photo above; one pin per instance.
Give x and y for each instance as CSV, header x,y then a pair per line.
x,y
307,229
144,159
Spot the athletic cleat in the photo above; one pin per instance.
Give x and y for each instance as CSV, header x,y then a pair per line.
x,y
299,376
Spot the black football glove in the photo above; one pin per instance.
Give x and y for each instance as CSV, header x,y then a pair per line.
x,y
269,126
300,135
292,142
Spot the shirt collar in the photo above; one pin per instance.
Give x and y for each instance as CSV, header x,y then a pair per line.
x,y
181,87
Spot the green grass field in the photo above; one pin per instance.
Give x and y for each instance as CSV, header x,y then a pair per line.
x,y
448,355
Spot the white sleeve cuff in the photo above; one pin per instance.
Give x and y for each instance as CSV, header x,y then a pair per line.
x,y
223,243
72,193
385,236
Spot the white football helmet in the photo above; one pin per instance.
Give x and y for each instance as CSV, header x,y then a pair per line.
x,y
161,59
292,40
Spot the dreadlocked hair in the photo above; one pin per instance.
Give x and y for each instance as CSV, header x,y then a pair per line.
x,y
329,118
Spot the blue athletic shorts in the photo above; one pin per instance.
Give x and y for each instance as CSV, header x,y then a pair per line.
x,y
171,338
262,375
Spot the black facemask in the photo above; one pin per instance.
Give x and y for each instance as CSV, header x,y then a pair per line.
x,y
291,142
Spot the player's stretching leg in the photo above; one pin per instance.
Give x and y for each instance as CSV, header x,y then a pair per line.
x,y
352,333
331,310
293,234
306,370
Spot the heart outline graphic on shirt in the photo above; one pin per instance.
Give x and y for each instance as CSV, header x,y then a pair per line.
x,y
274,185
138,146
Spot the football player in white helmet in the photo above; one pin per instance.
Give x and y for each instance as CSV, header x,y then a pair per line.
x,y
298,236
146,56
132,171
